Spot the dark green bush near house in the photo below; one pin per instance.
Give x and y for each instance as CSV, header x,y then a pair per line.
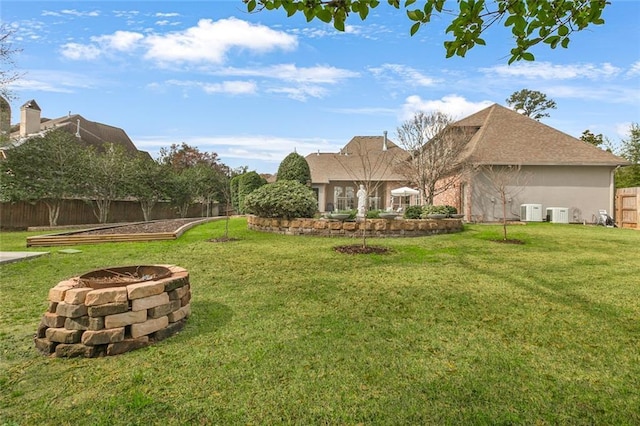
x,y
451,210
413,212
247,183
285,199
294,167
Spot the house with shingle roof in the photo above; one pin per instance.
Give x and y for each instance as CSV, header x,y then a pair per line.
x,y
89,133
369,160
556,169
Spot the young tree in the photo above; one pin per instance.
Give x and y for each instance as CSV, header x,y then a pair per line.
x,y
183,156
528,22
48,168
435,150
294,167
368,165
629,176
507,182
596,140
531,103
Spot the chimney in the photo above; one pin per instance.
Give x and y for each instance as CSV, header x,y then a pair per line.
x,y
29,118
384,141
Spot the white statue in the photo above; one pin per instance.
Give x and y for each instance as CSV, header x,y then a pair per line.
x,y
362,200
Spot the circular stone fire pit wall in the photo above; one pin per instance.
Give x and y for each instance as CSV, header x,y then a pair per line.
x,y
93,322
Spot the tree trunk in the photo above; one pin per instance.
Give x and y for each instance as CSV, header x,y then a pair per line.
x,y
147,207
54,211
103,210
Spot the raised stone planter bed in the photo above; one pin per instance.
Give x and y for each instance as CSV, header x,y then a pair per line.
x,y
110,320
373,227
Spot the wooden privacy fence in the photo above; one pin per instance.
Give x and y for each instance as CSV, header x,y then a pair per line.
x,y
628,207
22,215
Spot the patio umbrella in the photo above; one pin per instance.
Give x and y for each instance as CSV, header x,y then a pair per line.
x,y
405,191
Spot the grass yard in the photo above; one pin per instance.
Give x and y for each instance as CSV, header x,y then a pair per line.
x,y
452,329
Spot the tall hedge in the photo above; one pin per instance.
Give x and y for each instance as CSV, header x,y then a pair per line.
x,y
285,199
294,167
247,183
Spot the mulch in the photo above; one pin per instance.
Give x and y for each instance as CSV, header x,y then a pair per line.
x,y
360,249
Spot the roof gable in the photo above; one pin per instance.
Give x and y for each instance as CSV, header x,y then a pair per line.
x,y
507,137
363,158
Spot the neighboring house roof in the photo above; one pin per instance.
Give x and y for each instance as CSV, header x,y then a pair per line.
x,y
91,132
505,137
362,159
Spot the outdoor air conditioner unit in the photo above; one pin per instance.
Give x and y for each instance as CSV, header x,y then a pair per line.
x,y
558,214
531,212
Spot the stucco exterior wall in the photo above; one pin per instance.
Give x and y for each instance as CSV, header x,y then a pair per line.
x,y
583,190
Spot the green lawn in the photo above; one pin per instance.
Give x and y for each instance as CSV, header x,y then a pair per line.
x,y
453,329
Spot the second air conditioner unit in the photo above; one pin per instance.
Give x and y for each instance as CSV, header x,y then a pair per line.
x,y
558,214
531,212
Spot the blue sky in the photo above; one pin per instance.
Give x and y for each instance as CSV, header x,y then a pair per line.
x,y
255,87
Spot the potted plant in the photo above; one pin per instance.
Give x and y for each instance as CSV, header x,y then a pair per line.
x,y
434,212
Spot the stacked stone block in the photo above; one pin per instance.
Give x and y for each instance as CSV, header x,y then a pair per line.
x,y
371,227
81,321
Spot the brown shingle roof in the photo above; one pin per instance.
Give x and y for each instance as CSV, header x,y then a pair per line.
x,y
91,132
348,165
507,137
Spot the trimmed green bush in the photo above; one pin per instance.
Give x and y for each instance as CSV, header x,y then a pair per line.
x,y
413,212
431,209
294,167
247,183
286,199
373,214
451,210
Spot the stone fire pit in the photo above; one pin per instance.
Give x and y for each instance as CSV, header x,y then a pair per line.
x,y
114,310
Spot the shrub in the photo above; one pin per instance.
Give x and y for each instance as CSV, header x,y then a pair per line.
x,y
451,210
247,183
373,214
430,209
294,167
413,212
286,199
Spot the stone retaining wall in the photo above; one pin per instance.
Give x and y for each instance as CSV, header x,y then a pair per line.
x,y
82,321
338,228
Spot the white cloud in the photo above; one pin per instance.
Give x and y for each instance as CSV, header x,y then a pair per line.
x,y
300,93
236,150
634,69
120,40
166,15
232,87
52,81
209,41
453,105
73,12
549,71
228,87
78,51
401,75
290,72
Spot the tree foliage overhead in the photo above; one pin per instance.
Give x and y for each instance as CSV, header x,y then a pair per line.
x,y
294,167
531,22
531,103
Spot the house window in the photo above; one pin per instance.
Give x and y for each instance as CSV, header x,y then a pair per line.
x,y
344,197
